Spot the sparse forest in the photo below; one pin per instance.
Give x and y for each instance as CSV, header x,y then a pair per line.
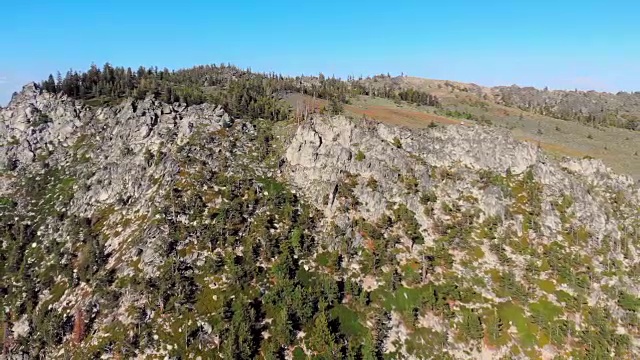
x,y
265,238
240,92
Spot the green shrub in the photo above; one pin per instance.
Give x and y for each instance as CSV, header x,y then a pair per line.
x,y
41,120
372,183
428,197
628,302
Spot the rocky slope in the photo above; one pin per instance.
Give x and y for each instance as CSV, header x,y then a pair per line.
x,y
563,123
153,230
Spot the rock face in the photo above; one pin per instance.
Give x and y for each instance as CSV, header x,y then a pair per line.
x,y
143,219
35,122
324,152
120,153
464,168
117,142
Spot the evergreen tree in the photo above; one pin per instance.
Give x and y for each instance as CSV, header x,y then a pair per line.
x,y
286,264
381,330
369,351
49,85
494,327
58,82
353,350
471,325
283,327
395,279
321,340
240,342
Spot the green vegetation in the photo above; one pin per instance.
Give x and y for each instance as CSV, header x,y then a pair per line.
x,y
335,106
349,322
41,120
410,183
372,183
408,220
629,302
418,97
226,260
547,286
428,200
585,107
458,114
241,92
514,314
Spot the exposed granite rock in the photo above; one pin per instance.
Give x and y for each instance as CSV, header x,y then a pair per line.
x,y
323,153
119,164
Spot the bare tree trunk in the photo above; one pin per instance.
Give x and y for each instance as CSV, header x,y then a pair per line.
x,y
78,326
5,338
424,269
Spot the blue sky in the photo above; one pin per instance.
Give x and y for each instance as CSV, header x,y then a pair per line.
x,y
561,44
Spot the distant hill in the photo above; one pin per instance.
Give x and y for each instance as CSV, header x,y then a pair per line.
x,y
588,107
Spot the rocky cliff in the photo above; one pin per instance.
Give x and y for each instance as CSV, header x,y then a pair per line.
x,y
146,229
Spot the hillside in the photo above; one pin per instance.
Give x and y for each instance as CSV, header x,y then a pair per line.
x,y
192,214
589,107
564,123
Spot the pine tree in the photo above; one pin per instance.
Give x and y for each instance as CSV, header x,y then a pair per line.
x,y
395,279
330,291
286,265
369,349
494,327
273,351
283,327
58,82
381,330
239,341
353,350
471,325
218,261
335,106
429,298
296,239
49,85
321,340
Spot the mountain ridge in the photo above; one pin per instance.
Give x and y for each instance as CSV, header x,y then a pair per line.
x,y
145,229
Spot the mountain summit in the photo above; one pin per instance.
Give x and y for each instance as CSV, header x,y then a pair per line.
x,y
215,213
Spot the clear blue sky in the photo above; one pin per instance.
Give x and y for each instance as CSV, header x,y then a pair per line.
x,y
561,44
